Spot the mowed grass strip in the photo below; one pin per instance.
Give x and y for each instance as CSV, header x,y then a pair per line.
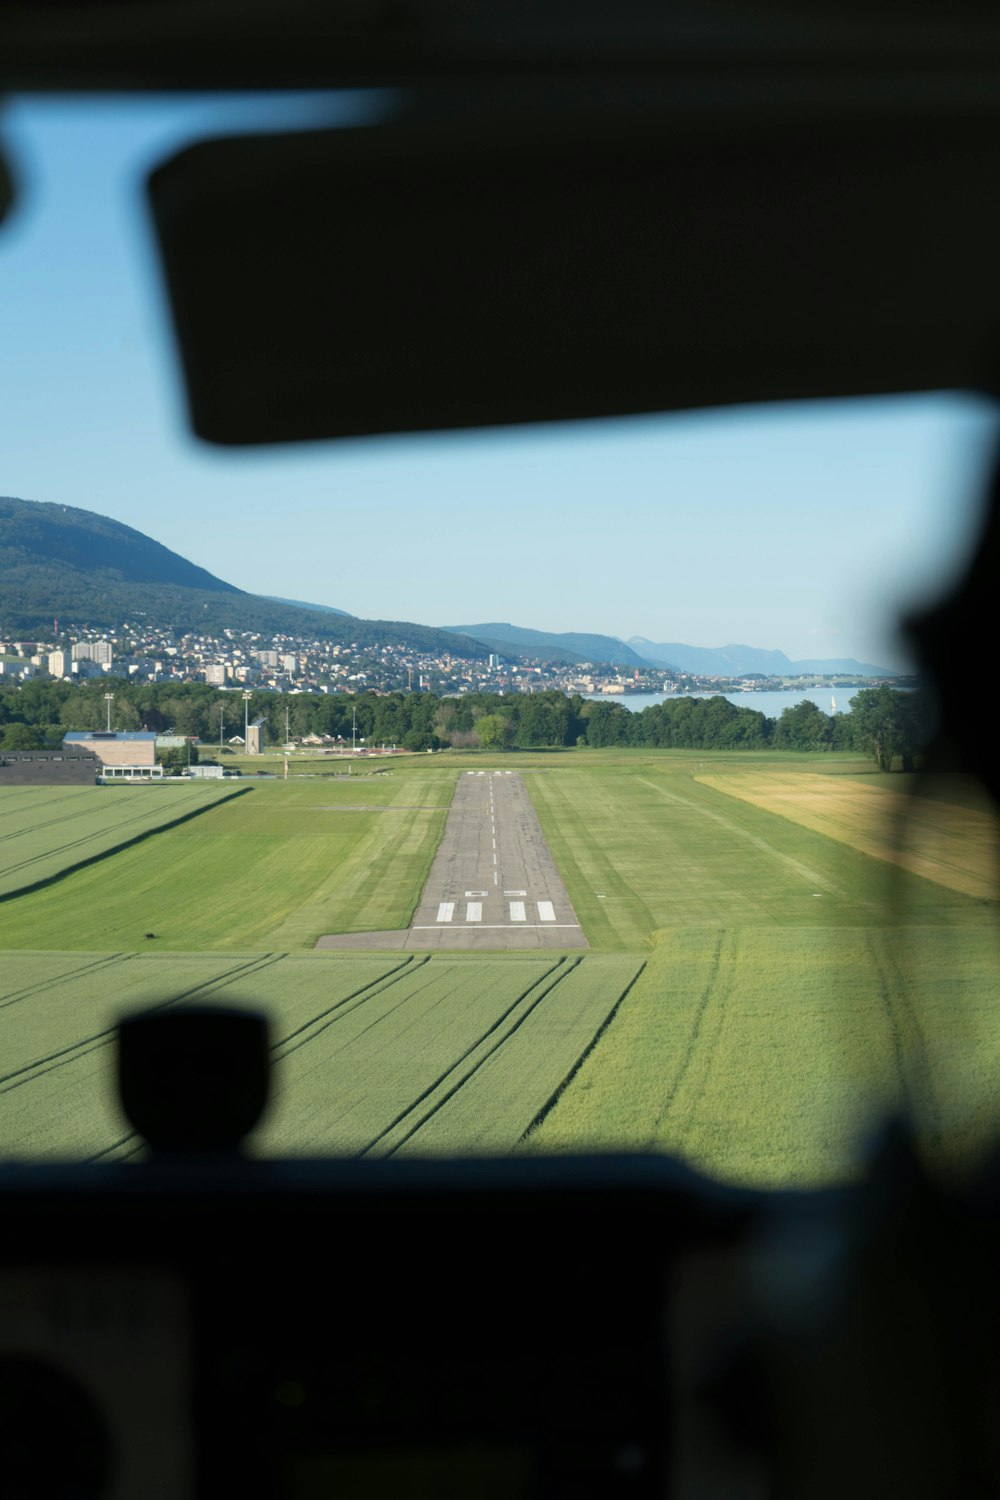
x,y
42,835
956,846
761,1055
356,1080
656,849
59,1012
268,870
493,1105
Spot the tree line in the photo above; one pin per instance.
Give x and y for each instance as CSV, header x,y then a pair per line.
x,y
888,724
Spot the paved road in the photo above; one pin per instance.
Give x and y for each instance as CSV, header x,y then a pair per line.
x,y
493,883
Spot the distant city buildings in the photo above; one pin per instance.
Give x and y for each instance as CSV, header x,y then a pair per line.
x,y
244,660
96,651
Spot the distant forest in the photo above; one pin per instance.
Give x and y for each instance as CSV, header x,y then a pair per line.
x,y
884,722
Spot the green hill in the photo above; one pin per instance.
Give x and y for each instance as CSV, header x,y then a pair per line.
x,y
58,562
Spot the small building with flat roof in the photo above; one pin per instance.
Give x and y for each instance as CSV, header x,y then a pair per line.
x,y
134,748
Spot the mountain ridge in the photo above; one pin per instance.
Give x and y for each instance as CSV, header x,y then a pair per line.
x,y
59,561
739,661
572,645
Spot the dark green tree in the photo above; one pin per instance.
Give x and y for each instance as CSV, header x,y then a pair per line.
x,y
176,758
887,723
21,737
803,726
495,732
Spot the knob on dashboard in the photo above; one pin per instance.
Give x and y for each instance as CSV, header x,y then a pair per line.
x,y
193,1080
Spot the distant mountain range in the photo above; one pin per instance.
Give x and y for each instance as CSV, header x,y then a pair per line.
x,y
741,661
59,562
570,647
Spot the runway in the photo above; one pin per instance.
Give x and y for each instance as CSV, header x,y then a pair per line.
x,y
493,883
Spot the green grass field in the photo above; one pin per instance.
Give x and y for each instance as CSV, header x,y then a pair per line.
x,y
274,867
804,980
373,1055
45,831
782,948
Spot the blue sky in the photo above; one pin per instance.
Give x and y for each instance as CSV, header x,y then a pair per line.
x,y
802,528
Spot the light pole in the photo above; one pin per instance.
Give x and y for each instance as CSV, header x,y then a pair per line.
x,y
246,722
354,729
109,698
222,716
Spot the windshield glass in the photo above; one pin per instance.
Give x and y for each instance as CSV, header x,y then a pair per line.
x,y
548,789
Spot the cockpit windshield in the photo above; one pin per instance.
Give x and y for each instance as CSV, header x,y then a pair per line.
x,y
552,788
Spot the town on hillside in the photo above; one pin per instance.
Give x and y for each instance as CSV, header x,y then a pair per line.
x,y
296,664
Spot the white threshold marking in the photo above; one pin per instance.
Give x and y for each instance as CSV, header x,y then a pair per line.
x,y
517,911
546,911
506,927
474,911
446,911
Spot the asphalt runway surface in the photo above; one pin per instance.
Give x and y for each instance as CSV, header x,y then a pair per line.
x,y
493,883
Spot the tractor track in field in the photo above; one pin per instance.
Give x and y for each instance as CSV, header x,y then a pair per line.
x,y
59,1058
557,1093
339,1010
71,817
912,1065
280,1049
14,809
690,1051
405,1000
560,969
105,961
64,817
919,1057
117,847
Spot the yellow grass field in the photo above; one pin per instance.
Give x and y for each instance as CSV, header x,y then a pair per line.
x,y
956,846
